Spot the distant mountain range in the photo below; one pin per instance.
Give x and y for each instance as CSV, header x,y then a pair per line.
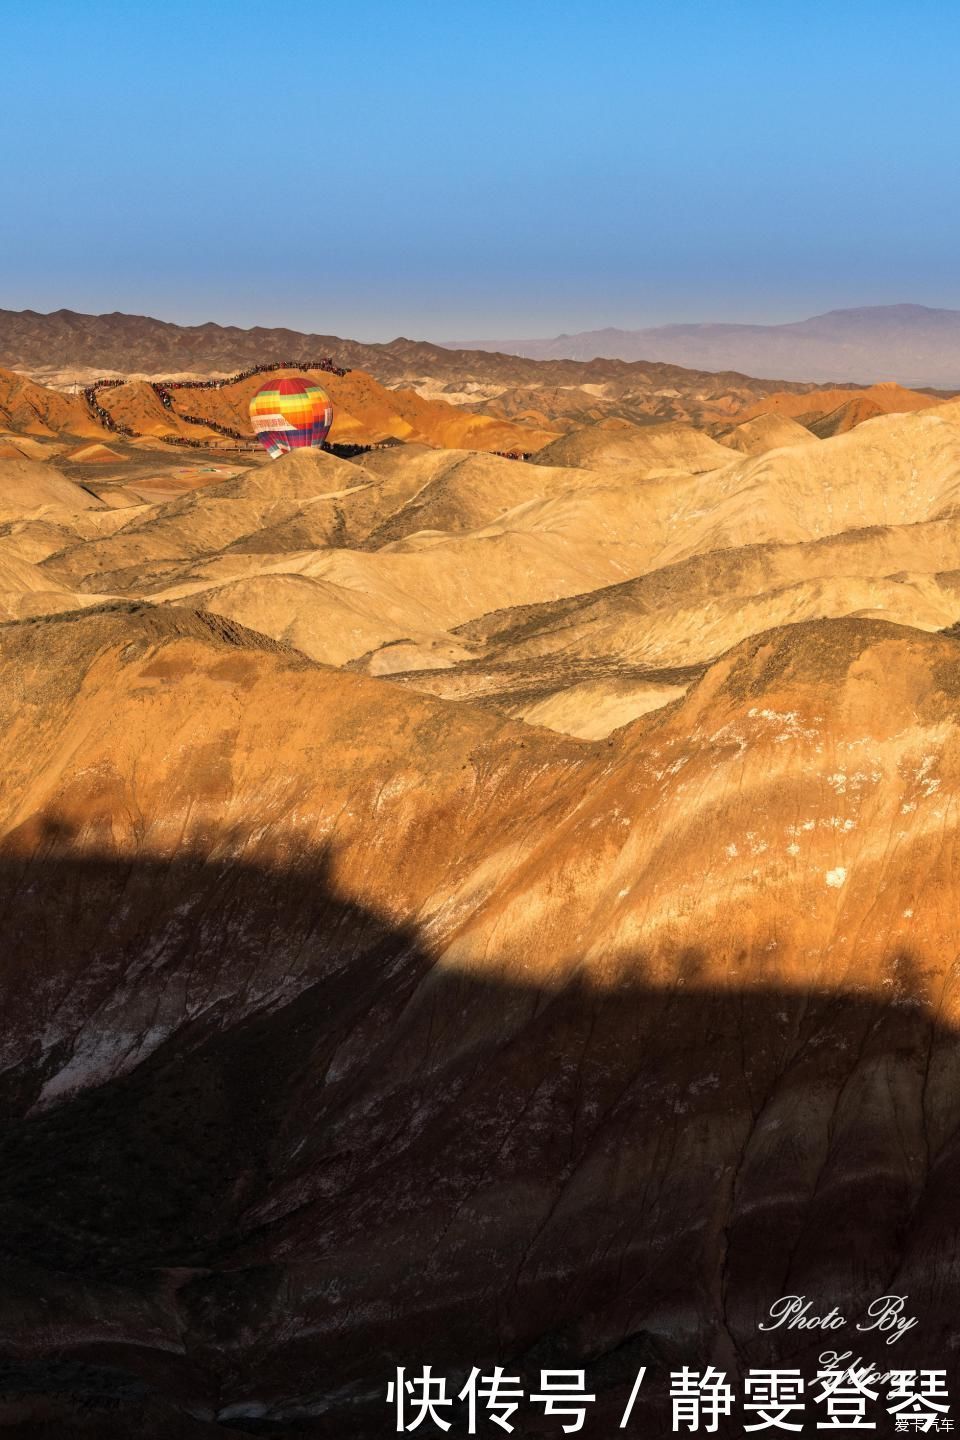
x,y
66,339
912,344
64,344
907,343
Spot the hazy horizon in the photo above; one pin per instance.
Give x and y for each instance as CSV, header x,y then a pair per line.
x,y
521,172
442,340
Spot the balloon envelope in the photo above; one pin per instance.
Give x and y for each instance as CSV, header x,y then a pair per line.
x,y
290,414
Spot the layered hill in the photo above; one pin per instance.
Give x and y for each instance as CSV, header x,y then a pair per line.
x,y
469,911
670,1014
27,409
29,485
614,444
65,347
833,410
768,429
579,591
365,412
543,394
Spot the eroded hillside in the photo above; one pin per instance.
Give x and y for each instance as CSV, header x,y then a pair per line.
x,y
466,910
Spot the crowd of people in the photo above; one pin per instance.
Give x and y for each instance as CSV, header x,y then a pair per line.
x,y
117,427
103,415
326,365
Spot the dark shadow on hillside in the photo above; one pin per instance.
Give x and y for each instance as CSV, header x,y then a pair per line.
x,y
299,1154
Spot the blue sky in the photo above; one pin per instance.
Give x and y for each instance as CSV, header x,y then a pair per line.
x,y
510,168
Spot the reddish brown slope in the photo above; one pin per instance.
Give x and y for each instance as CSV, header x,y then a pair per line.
x,y
365,411
886,398
607,1042
29,409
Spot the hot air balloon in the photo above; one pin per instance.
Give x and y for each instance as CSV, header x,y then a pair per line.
x,y
290,414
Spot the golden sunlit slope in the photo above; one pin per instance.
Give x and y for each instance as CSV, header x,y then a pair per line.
x,y
595,661
647,448
774,730
305,938
209,520
29,409
894,470
328,619
803,744
885,398
767,431
26,590
366,412
617,806
137,405
897,469
461,490
705,582
846,416
580,538
30,485
96,454
571,595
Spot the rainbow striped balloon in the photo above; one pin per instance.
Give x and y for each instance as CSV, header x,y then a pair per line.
x,y
290,414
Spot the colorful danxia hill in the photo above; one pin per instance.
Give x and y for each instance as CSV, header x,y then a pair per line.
x,y
482,893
